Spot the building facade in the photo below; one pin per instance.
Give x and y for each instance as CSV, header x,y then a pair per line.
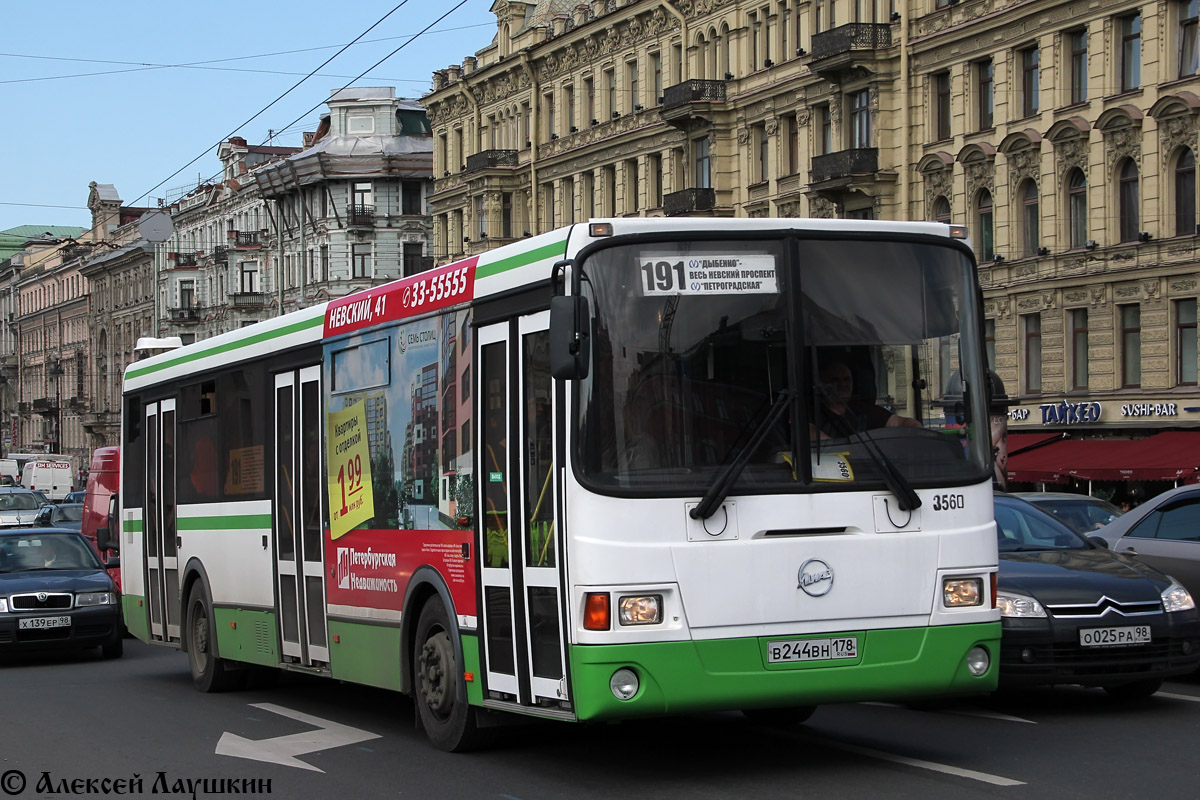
x,y
1064,134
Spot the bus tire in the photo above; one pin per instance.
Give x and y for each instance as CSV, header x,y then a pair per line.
x,y
209,673
448,722
778,717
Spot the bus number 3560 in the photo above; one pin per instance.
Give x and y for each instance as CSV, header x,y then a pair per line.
x,y
948,502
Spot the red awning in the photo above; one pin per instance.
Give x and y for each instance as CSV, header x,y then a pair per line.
x,y
1018,442
1168,456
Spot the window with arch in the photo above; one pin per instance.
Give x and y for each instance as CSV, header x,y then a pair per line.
x,y
1185,193
1076,208
984,223
941,209
1127,200
1030,233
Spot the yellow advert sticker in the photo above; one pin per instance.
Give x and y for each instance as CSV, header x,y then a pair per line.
x,y
351,499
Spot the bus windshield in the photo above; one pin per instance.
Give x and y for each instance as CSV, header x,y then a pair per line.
x,y
695,343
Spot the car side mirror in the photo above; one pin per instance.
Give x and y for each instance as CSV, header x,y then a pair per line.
x,y
113,563
103,540
1096,540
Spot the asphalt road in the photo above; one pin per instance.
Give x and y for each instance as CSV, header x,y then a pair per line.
x,y
70,720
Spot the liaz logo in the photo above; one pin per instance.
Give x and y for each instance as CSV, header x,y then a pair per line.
x,y
343,567
815,577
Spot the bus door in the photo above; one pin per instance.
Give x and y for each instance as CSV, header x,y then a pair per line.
x,y
520,546
299,554
159,529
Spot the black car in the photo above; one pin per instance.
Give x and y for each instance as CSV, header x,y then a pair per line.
x,y
62,515
1074,612
55,594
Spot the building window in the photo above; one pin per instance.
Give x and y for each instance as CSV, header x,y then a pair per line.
x,y
985,93
548,209
187,294
360,255
1131,346
609,177
941,105
249,277
589,100
984,217
654,180
1029,81
1032,324
792,126
1189,55
361,195
656,76
1079,348
1185,342
548,104
610,91
703,164
1077,208
1029,218
632,189
824,141
1185,193
941,210
1131,52
761,153
569,108
989,342
506,216
1078,43
1127,201
860,119
410,194
413,258
631,78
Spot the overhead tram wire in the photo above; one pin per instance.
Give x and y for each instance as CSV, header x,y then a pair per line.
x,y
264,109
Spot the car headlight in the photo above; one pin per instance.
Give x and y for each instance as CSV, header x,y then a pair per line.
x,y
95,599
1018,605
3,605
1177,598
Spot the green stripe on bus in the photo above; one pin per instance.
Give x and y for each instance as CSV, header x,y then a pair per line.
x,y
265,336
224,523
551,250
132,526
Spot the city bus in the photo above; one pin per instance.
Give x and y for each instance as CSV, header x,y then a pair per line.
x,y
613,471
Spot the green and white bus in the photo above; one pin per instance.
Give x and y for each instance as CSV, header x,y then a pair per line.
x,y
627,468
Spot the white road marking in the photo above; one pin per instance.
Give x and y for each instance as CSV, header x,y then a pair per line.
x,y
1173,696
284,749
995,780
977,712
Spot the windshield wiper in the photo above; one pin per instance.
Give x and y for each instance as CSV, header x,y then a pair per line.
x,y
892,477
721,487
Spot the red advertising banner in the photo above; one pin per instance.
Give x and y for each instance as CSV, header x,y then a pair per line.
x,y
438,288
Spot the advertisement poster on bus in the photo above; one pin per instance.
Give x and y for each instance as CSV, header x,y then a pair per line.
x,y
398,435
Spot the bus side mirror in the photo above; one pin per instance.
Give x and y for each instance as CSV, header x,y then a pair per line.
x,y
105,538
103,542
570,337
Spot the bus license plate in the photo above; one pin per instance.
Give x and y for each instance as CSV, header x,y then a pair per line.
x,y
1114,637
41,623
812,649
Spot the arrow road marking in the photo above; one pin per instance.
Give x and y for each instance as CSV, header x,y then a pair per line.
x,y
284,749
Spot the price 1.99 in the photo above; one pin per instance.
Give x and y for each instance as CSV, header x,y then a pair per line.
x,y
350,480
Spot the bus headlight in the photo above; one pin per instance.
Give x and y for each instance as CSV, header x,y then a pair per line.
x,y
623,683
643,609
960,592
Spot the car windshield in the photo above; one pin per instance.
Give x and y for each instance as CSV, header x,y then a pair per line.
x,y
18,501
29,552
696,344
1083,515
69,514
1021,527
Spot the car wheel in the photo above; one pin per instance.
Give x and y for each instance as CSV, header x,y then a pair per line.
x,y
113,649
449,723
778,717
1138,690
209,673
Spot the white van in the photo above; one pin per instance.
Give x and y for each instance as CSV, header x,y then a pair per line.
x,y
10,474
51,476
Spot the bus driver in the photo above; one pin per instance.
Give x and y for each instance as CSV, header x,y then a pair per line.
x,y
841,413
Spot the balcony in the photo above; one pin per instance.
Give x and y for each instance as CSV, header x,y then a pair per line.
x,y
245,239
248,299
44,405
689,201
360,216
853,45
182,259
690,99
491,159
24,407
220,253
845,164
184,314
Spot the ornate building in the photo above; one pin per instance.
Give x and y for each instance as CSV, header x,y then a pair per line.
x,y
1063,133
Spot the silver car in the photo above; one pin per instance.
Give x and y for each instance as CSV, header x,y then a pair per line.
x,y
1163,532
1081,513
18,507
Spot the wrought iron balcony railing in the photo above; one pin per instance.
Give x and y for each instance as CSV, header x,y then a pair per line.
x,y
860,161
851,37
693,91
685,202
491,158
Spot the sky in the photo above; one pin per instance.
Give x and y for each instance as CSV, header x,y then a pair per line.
x,y
129,94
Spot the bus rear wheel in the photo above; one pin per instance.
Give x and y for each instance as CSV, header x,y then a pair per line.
x,y
448,721
778,717
209,673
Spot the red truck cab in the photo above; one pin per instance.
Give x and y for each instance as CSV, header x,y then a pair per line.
x,y
100,503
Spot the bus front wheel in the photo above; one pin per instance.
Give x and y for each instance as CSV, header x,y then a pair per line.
x,y
209,673
448,721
